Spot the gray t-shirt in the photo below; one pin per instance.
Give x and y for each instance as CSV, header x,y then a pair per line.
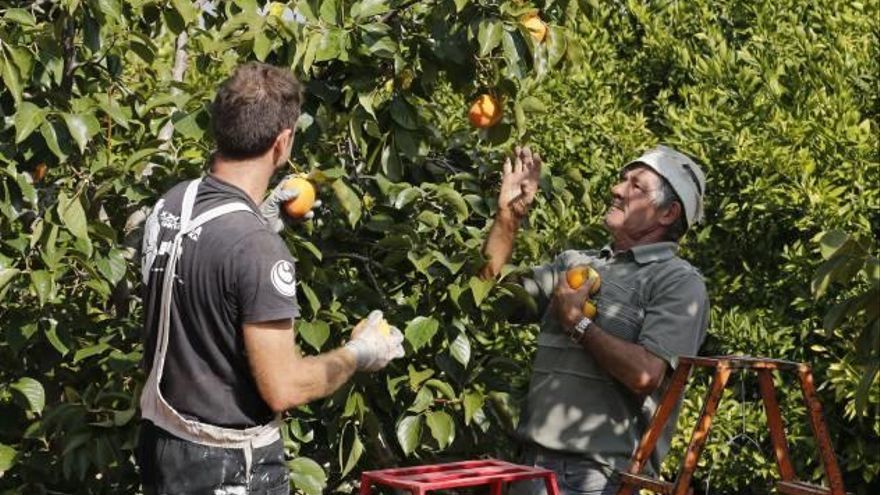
x,y
648,296
233,270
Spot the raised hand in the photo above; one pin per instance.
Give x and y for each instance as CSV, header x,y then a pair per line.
x,y
519,181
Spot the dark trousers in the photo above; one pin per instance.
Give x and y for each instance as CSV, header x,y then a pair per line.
x,y
172,466
575,475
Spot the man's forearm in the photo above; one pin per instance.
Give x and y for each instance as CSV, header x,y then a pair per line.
x,y
631,364
316,377
499,243
284,377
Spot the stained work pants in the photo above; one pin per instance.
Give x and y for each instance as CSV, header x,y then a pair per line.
x,y
172,466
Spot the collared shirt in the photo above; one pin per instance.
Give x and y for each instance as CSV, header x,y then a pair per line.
x,y
648,296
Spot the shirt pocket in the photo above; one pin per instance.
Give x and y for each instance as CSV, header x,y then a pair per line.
x,y
620,311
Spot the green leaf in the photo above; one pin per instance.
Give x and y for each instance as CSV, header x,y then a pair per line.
x,y
444,388
8,456
6,276
32,391
42,282
473,402
454,199
73,216
328,11
480,288
82,127
307,475
51,137
113,266
442,427
11,77
23,60
409,433
315,333
28,193
513,54
866,383
21,17
416,378
354,454
461,4
186,9
52,336
304,8
831,242
191,125
311,297
420,330
368,8
87,352
27,119
329,45
460,349
404,114
556,45
262,46
383,47
533,104
423,401
489,35
349,201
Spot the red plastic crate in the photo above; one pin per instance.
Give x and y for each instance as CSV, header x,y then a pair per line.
x,y
488,472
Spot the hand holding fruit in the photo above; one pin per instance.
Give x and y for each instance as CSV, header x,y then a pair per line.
x,y
296,195
576,277
375,343
571,298
519,181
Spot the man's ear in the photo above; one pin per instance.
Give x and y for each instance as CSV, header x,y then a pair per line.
x,y
282,146
671,214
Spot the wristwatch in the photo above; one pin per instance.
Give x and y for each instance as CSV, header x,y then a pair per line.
x,y
580,330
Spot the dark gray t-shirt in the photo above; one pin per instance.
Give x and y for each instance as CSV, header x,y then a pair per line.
x,y
233,270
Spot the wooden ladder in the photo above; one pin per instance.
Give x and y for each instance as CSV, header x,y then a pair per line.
x,y
723,365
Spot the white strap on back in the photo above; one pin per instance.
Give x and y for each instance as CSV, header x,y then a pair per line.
x,y
153,405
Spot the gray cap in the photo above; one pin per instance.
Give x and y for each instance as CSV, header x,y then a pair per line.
x,y
685,177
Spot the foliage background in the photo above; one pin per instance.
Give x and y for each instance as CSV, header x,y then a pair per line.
x,y
103,108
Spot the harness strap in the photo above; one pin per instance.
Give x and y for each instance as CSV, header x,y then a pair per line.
x,y
153,405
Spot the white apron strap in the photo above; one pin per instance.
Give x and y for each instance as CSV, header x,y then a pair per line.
x,y
153,405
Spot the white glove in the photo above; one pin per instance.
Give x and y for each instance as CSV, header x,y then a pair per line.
x,y
374,343
271,206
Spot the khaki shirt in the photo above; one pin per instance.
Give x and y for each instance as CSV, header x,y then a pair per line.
x,y
648,296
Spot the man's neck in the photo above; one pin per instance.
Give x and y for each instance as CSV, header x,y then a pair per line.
x,y
251,175
624,243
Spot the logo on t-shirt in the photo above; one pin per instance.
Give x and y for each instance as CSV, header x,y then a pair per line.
x,y
283,278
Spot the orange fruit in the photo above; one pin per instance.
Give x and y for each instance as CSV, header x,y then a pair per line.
x,y
578,275
589,309
485,111
40,171
535,26
300,205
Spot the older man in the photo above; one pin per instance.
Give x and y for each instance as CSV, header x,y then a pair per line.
x,y
596,382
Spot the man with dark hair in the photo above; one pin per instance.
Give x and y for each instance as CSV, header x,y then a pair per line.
x,y
596,382
219,306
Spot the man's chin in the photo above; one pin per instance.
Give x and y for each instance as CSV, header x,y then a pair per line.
x,y
611,216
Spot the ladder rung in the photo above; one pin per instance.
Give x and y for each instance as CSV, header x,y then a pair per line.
x,y
653,484
801,488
